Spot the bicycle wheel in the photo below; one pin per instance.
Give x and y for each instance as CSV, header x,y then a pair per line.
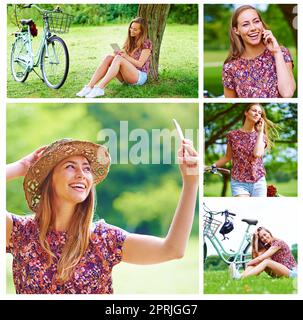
x,y
243,257
19,60
54,62
204,252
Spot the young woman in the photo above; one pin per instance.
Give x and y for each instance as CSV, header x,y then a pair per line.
x,y
58,250
257,66
130,65
271,255
246,147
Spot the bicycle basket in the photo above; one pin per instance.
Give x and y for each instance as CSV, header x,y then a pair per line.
x,y
59,22
210,226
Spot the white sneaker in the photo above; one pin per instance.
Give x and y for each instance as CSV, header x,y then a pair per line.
x,y
233,271
95,92
84,91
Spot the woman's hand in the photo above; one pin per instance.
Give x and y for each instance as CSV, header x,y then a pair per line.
x,y
259,127
270,41
188,162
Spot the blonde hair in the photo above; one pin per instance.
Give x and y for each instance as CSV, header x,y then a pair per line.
x,y
237,47
271,132
131,44
78,233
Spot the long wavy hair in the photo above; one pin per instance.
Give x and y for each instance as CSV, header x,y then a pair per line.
x,y
258,247
271,132
78,234
237,46
131,44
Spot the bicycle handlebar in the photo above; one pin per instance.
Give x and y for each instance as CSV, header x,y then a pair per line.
x,y
25,6
214,213
223,170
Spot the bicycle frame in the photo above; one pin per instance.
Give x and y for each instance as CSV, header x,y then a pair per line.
x,y
237,257
35,59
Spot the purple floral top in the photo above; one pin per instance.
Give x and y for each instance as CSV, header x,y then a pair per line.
x,y
246,167
136,55
283,255
93,274
254,78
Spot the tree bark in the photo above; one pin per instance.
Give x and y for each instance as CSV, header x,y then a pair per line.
x,y
156,16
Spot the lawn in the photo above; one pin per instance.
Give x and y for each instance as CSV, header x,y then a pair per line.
x,y
219,282
178,67
213,61
287,189
174,277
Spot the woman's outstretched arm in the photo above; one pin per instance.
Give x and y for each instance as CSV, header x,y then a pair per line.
x,y
15,170
143,249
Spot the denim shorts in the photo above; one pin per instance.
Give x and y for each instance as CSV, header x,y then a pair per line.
x,y
253,189
293,273
141,80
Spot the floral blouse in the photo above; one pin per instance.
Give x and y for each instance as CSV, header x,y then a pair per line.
x,y
245,167
136,55
283,255
254,78
93,274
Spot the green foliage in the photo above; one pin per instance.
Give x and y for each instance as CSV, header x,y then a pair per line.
x,y
219,282
100,14
183,13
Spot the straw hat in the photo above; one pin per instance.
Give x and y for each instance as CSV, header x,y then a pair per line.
x,y
96,154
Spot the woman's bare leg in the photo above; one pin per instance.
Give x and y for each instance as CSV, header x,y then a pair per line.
x,y
101,70
120,65
276,268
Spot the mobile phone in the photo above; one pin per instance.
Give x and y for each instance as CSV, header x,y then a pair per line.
x,y
115,47
179,130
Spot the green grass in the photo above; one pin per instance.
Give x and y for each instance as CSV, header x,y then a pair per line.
x,y
219,282
287,189
174,277
178,66
212,74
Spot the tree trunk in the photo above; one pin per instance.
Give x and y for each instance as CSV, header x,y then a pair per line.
x,y
155,15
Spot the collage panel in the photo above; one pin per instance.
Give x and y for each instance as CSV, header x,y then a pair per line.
x,y
250,149
250,51
250,246
102,50
91,185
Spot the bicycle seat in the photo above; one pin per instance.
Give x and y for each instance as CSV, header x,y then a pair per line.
x,y
26,22
250,222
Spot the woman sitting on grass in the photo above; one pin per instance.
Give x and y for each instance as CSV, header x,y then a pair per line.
x,y
269,254
130,65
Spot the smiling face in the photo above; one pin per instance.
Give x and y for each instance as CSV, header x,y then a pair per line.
x,y
72,179
249,27
135,29
254,114
265,237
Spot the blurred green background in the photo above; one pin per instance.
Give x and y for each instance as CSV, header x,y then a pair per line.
x,y
139,198
281,163
94,28
216,38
